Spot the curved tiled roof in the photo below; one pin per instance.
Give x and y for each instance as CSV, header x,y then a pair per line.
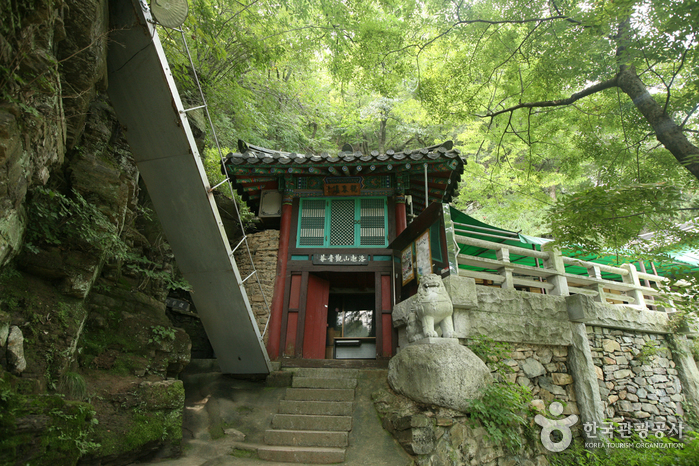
x,y
250,154
256,168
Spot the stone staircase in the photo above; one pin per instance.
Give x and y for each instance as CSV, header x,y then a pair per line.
x,y
314,418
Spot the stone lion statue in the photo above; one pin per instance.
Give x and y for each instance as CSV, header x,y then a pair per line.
x,y
432,306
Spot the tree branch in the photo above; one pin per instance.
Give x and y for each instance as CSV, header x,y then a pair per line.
x,y
599,87
617,217
689,114
666,130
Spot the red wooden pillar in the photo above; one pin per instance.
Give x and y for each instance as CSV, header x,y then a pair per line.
x,y
275,319
401,216
386,349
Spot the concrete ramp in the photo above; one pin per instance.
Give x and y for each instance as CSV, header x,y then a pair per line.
x,y
147,103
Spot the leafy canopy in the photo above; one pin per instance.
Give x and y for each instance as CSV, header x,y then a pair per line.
x,y
577,118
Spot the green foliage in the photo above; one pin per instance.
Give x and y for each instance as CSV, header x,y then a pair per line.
x,y
55,219
9,405
309,76
690,416
162,334
505,408
240,453
649,349
65,314
504,411
9,273
491,352
613,217
632,456
51,370
695,349
73,385
143,427
9,302
97,341
154,271
67,436
682,295
73,222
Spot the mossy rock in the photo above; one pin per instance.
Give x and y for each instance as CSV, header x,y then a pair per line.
x,y
166,394
43,429
135,420
137,434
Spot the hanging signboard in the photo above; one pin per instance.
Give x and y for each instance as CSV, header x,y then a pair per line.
x,y
343,186
340,259
406,264
423,257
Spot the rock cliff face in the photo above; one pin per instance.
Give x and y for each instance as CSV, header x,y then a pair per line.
x,y
88,358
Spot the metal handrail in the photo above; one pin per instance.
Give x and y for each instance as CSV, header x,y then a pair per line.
x,y
227,180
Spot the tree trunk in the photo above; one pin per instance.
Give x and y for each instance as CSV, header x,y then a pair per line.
x,y
382,135
666,130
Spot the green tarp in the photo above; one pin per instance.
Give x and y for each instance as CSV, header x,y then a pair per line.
x,y
468,226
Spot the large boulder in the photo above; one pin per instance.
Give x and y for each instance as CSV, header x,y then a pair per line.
x,y
15,351
5,321
445,374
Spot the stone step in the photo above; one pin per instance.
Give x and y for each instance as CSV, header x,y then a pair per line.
x,y
313,455
323,382
333,373
319,394
312,422
306,438
328,408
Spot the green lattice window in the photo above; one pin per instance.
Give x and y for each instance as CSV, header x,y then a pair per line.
x,y
312,223
343,222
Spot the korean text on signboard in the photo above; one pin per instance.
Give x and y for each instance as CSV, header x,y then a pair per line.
x,y
340,259
342,186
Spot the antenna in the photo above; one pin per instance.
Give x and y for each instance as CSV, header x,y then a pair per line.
x,y
170,13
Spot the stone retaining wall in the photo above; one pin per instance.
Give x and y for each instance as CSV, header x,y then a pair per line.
x,y
544,370
602,361
636,375
440,436
264,247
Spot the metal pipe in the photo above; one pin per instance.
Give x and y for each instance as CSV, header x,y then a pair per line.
x,y
193,108
427,191
214,187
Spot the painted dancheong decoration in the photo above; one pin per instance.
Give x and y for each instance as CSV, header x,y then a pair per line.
x,y
337,215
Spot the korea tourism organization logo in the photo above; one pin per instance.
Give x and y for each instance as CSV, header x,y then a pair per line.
x,y
549,426
603,435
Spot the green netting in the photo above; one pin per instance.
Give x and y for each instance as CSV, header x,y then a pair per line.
x,y
468,226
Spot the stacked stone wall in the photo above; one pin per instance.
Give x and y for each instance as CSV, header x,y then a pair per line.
x,y
264,247
441,436
544,370
604,363
636,376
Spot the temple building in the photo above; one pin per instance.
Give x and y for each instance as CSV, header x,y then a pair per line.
x,y
338,275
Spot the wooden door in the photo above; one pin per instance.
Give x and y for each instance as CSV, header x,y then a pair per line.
x,y
316,321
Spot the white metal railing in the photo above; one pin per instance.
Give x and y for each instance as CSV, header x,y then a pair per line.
x,y
551,274
244,241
